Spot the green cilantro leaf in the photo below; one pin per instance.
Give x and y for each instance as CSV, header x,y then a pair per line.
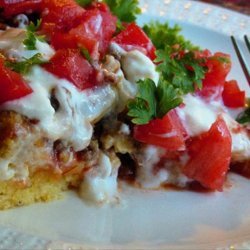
x,y
31,37
183,72
143,107
167,98
153,101
85,53
244,117
30,41
125,10
23,67
162,34
32,27
84,3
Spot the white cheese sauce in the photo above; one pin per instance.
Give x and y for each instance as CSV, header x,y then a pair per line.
x,y
17,165
77,109
170,172
196,115
11,45
134,66
147,160
240,139
100,183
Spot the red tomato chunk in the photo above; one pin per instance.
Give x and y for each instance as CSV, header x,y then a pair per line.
x,y
210,155
12,84
71,65
133,37
218,67
60,15
12,8
167,132
232,96
93,32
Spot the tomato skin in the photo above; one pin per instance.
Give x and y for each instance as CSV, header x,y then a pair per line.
x,y
12,84
218,67
71,65
133,37
167,132
93,33
202,54
210,155
61,40
232,96
60,15
13,8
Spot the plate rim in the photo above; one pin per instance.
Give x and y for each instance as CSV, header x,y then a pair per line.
x,y
185,12
201,14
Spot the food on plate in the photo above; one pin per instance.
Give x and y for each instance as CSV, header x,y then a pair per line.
x,y
89,99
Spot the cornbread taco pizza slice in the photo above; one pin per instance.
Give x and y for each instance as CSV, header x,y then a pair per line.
x,y
88,99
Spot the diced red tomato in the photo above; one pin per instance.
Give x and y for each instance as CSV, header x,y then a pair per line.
x,y
12,84
202,53
218,67
71,65
210,156
167,132
60,15
12,8
62,40
232,96
93,33
133,37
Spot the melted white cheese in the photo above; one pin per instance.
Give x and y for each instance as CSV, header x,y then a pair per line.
x,y
196,115
100,183
148,158
148,176
77,109
6,172
11,45
240,140
22,21
17,165
137,66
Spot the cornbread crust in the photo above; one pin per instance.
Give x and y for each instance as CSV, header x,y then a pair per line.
x,y
46,181
43,186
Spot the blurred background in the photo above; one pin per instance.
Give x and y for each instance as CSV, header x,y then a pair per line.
x,y
242,6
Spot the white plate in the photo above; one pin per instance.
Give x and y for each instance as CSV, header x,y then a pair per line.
x,y
149,220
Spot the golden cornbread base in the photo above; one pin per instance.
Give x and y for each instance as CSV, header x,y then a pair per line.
x,y
43,187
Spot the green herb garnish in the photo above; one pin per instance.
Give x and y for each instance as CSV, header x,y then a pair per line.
x,y
23,67
85,53
152,101
31,37
162,34
84,3
125,10
184,72
244,117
